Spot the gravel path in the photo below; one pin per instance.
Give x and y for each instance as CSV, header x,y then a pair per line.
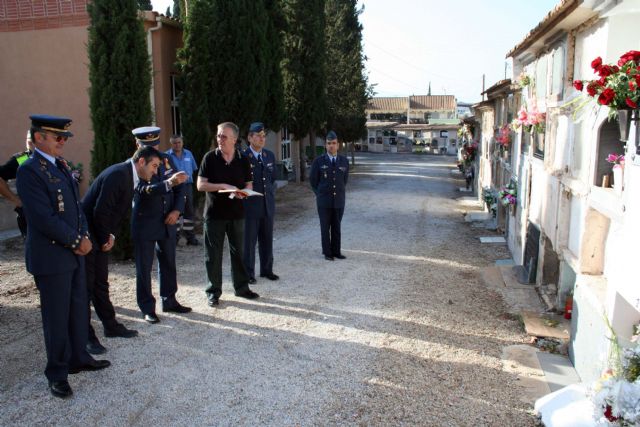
x,y
402,332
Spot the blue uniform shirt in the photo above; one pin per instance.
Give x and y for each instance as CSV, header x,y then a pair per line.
x,y
185,164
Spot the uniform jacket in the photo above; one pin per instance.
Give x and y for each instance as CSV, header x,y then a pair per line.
x,y
54,214
108,201
329,182
264,179
152,202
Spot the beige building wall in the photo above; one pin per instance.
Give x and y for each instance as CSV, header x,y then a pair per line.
x,y
45,72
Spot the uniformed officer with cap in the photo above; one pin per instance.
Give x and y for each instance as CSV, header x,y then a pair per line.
x,y
57,241
9,171
157,205
259,211
328,178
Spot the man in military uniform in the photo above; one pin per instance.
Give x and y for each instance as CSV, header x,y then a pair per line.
x,y
8,171
157,205
328,178
105,205
259,211
55,247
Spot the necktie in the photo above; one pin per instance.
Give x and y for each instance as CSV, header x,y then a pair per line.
x,y
259,158
333,162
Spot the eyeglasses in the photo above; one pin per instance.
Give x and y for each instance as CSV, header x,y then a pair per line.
x,y
59,138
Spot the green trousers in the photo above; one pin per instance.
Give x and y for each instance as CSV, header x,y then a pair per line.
x,y
214,233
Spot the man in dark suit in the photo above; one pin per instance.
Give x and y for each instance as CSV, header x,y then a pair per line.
x,y
57,240
106,204
259,211
157,205
328,178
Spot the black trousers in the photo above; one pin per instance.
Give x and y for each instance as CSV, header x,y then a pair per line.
x,y
330,219
214,234
261,231
165,251
63,304
97,267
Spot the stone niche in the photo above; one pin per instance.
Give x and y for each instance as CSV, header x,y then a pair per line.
x,y
596,229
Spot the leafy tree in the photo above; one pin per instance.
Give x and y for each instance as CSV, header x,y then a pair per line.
x,y
303,69
274,114
168,12
120,81
145,5
346,83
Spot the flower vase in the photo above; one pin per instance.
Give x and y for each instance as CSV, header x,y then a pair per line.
x,y
618,178
624,123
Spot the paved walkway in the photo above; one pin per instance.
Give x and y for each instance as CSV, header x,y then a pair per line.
x,y
402,332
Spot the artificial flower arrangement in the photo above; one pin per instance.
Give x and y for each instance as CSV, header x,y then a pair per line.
x,y
617,160
524,80
469,153
618,85
531,120
466,131
616,395
504,136
508,195
490,199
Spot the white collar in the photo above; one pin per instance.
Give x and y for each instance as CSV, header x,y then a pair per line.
x,y
136,178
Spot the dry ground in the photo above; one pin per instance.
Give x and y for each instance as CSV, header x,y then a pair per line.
x,y
402,332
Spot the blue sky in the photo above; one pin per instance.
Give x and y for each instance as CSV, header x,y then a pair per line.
x,y
450,43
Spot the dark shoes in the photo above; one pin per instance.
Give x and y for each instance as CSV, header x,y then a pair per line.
x,y
193,242
94,347
252,280
248,294
120,331
93,365
176,307
340,256
270,276
213,302
151,318
60,389
328,257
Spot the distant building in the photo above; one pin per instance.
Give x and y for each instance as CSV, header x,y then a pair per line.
x,y
396,124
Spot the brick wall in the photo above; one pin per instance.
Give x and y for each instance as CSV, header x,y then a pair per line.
x,y
26,15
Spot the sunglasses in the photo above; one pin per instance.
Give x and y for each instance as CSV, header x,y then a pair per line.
x,y
59,138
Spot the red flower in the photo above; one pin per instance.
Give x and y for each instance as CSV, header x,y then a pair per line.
x,y
632,86
608,414
632,55
607,70
637,77
606,96
596,63
592,88
578,85
630,103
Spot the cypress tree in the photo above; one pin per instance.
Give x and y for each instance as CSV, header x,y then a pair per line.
x,y
176,9
274,114
346,83
224,63
145,5
120,79
303,69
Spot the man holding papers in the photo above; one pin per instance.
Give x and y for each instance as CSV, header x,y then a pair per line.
x,y
225,169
